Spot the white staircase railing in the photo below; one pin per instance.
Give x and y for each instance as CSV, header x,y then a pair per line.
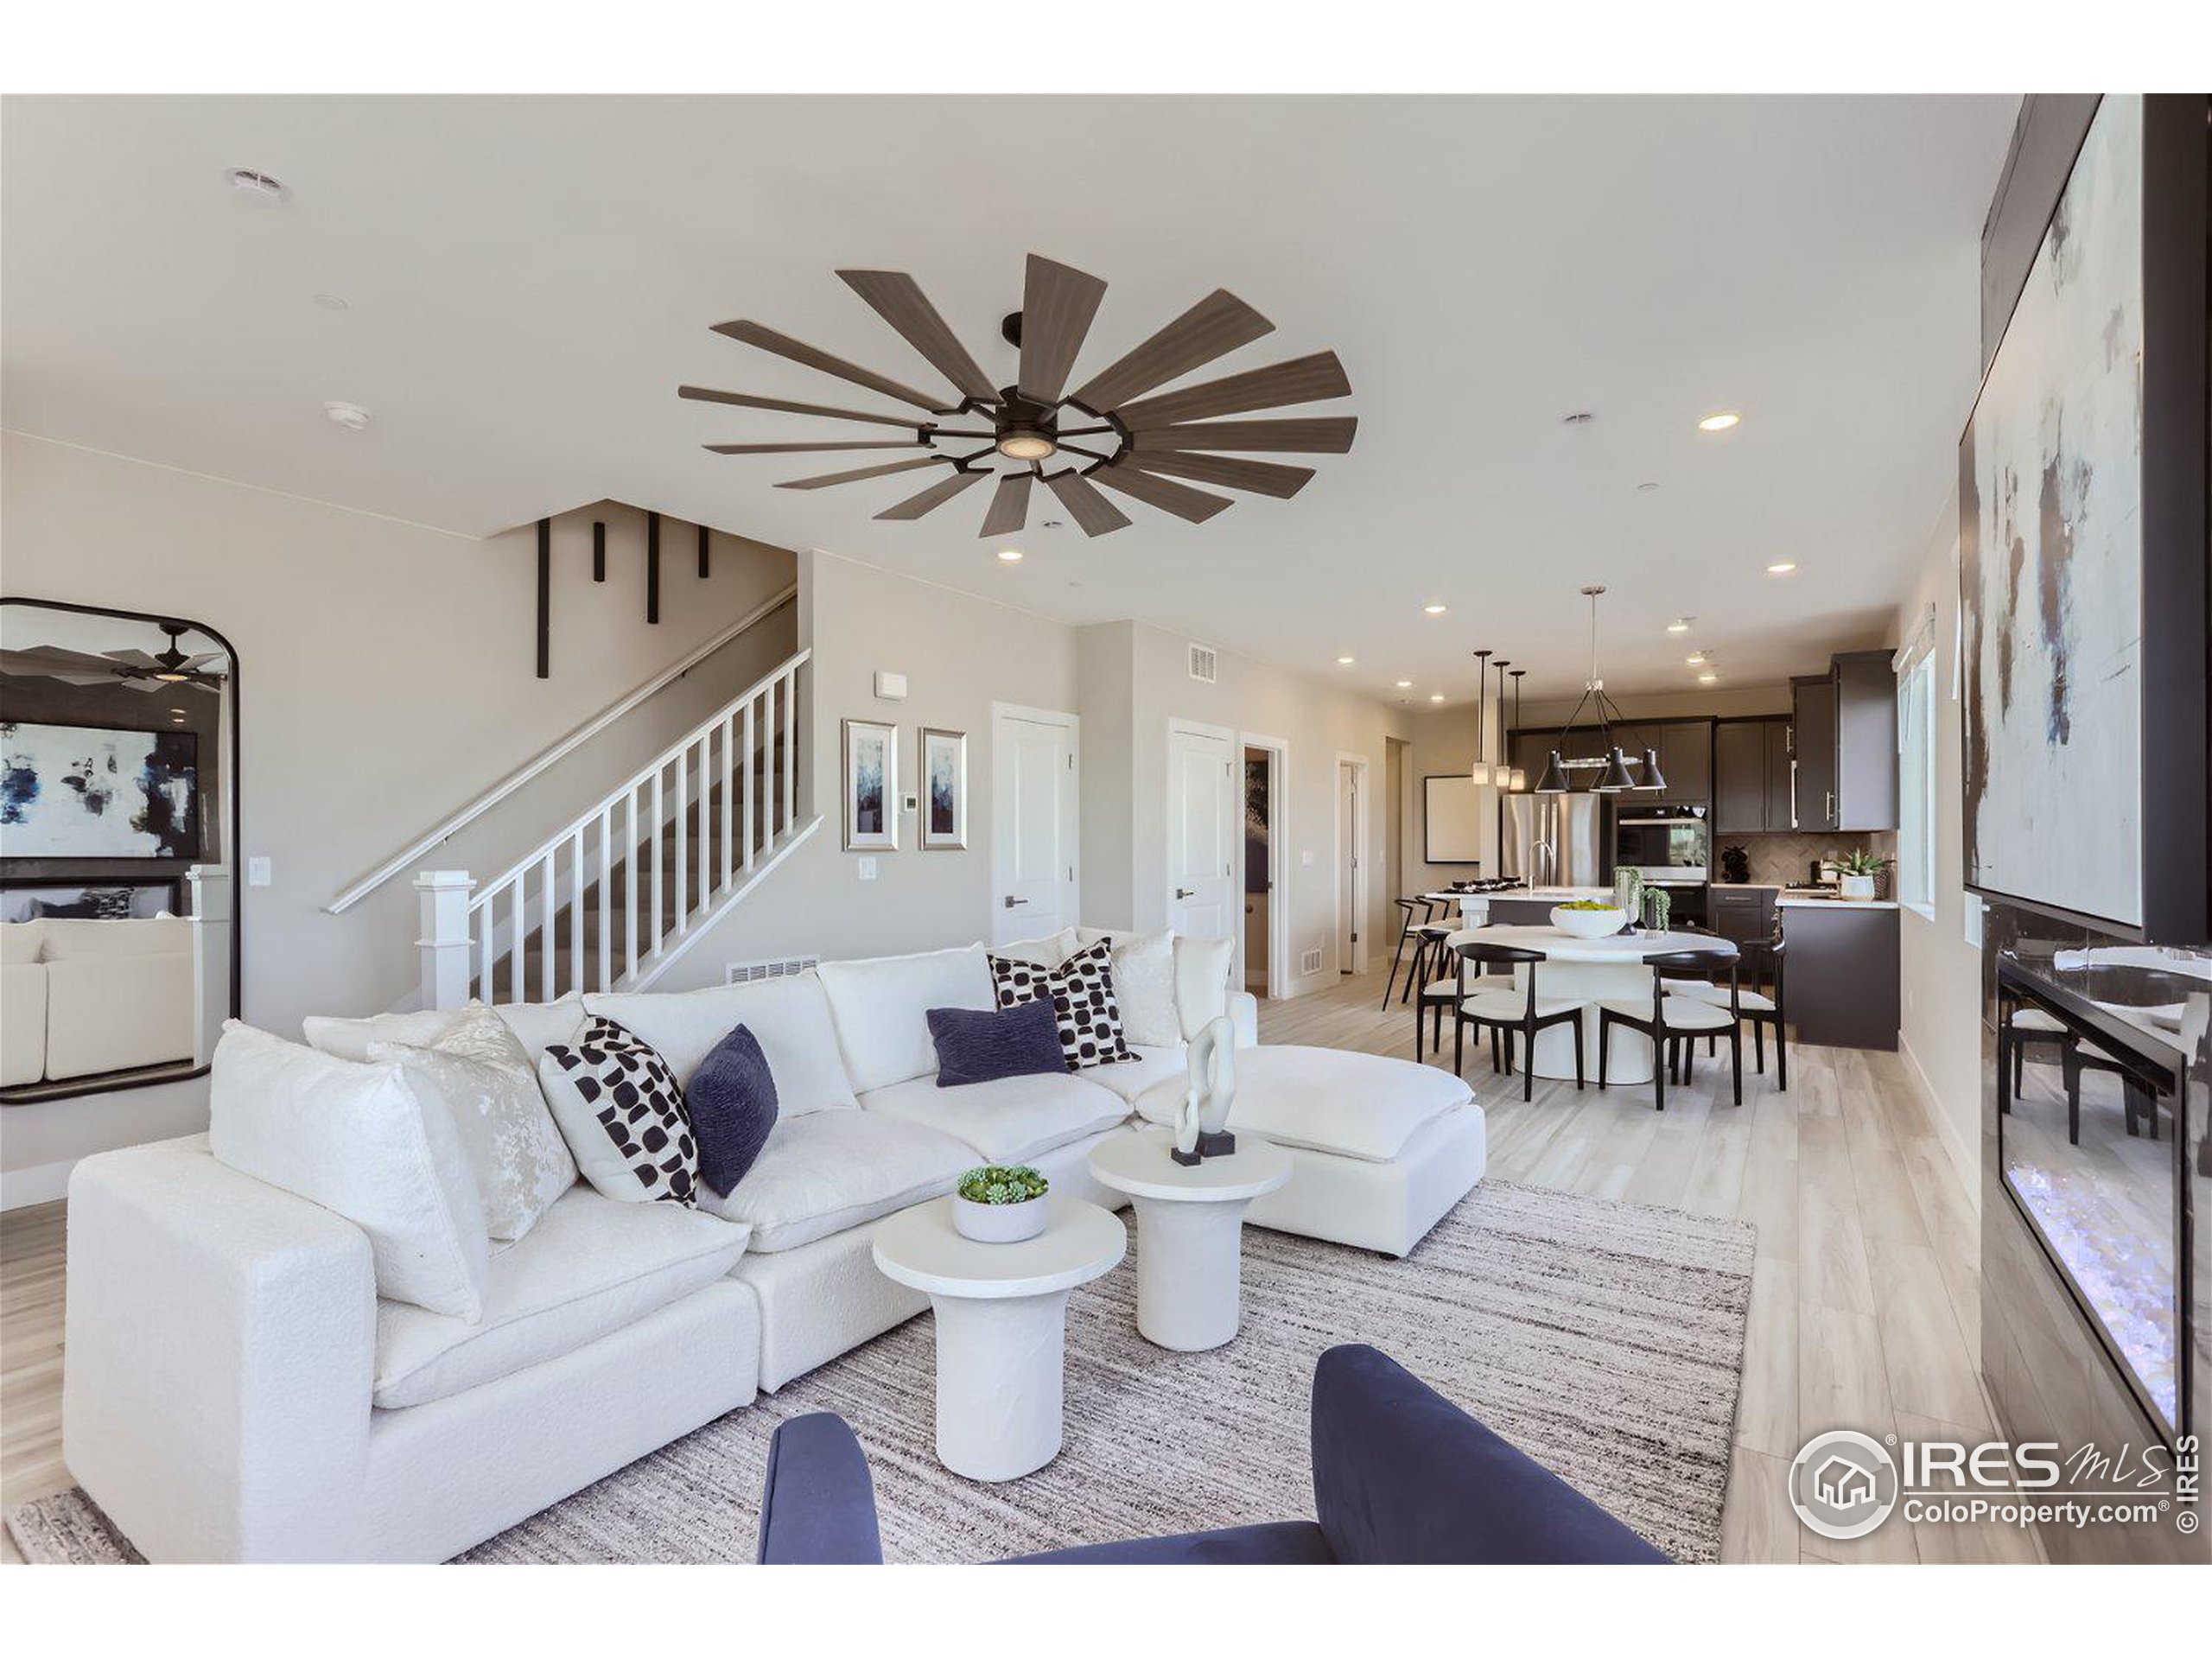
x,y
609,900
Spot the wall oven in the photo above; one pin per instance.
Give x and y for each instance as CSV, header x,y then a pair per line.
x,y
1670,844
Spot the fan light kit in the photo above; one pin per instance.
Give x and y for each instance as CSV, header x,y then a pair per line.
x,y
1147,439
173,665
1614,776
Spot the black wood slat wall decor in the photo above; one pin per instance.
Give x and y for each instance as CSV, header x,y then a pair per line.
x,y
599,549
705,567
545,599
652,568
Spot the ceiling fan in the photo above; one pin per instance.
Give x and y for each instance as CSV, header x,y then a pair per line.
x,y
1143,443
146,670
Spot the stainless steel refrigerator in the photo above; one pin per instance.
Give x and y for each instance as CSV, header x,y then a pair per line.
x,y
1553,841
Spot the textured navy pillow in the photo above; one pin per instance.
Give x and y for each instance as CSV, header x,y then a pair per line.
x,y
974,1046
732,1100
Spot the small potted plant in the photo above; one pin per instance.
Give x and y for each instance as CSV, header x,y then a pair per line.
x,y
1857,870
999,1204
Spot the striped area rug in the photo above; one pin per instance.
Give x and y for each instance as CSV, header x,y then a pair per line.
x,y
1605,1339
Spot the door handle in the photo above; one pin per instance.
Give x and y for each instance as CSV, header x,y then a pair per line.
x,y
1830,822
1186,893
1011,902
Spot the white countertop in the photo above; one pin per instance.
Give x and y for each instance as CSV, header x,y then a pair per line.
x,y
1808,901
1533,895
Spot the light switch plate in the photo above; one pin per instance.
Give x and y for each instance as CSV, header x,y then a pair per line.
x,y
867,868
258,873
1306,858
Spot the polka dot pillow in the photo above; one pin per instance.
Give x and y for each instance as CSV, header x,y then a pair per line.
x,y
1081,991
622,1111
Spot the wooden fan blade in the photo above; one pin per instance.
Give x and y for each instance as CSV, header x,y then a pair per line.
x,y
1263,477
133,656
747,400
808,449
1009,512
1325,435
1197,506
1301,380
898,300
1215,326
1092,510
860,473
934,497
45,658
1058,302
752,333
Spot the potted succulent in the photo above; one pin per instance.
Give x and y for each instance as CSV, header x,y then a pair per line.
x,y
999,1204
1857,870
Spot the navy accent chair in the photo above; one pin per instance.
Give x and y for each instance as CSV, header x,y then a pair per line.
x,y
1400,1476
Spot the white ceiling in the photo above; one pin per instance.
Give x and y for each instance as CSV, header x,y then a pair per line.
x,y
528,280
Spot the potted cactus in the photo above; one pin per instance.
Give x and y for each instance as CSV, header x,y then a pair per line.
x,y
999,1204
1857,871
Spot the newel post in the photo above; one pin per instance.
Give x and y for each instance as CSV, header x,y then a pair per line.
x,y
444,943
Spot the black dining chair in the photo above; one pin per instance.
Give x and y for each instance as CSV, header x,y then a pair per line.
x,y
1509,1012
1448,990
1760,963
1672,1022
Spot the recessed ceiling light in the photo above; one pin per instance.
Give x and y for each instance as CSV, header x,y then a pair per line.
x,y
1343,662
1405,685
1646,487
352,416
1782,567
1433,608
176,711
1009,556
1720,422
1706,679
1436,696
1681,625
330,302
1580,417
256,186
1695,659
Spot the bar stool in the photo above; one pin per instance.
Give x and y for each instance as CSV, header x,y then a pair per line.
x,y
1505,1013
1672,1022
1417,911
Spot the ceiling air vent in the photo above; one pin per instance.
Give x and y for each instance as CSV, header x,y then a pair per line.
x,y
746,973
1203,665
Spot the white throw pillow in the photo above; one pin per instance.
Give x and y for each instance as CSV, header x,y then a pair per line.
x,y
358,1141
537,1027
1049,951
484,1077
1144,984
789,1017
881,1006
1202,982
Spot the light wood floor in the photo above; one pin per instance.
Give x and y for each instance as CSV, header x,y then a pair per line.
x,y
1865,1299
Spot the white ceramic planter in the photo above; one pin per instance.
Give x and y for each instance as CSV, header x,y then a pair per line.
x,y
1857,886
1589,924
997,1224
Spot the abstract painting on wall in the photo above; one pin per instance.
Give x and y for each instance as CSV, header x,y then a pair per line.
x,y
944,790
870,786
2051,557
86,791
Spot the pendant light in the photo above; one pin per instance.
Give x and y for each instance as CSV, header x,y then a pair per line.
x,y
1480,771
1614,777
1517,776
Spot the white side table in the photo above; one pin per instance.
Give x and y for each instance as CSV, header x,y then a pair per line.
x,y
1190,1228
1001,1325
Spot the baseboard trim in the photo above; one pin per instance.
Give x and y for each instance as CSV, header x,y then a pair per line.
x,y
41,1184
1964,1161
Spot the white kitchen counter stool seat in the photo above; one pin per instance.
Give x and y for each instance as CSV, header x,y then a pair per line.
x,y
1671,1021
1522,1011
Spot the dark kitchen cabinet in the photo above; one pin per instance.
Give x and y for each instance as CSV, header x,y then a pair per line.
x,y
1865,741
1812,700
1686,759
1751,776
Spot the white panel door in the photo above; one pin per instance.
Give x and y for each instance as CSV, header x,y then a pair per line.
x,y
1203,820
1033,811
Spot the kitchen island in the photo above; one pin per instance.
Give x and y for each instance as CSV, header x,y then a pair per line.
x,y
1841,969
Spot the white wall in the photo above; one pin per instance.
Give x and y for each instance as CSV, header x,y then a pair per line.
x,y
1940,1039
386,674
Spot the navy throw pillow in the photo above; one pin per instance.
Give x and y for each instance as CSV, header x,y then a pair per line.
x,y
976,1046
732,1100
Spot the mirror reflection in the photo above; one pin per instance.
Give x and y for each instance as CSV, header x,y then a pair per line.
x,y
118,958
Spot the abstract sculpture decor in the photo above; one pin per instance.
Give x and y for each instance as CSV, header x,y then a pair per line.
x,y
1202,1125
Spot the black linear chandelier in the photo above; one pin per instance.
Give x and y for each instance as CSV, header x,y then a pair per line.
x,y
1614,777
1146,443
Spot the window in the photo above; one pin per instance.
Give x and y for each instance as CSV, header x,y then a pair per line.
x,y
1916,786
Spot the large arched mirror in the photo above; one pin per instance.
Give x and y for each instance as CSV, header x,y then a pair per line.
x,y
118,832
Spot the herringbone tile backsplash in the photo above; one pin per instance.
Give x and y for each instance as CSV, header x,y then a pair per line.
x,y
1785,859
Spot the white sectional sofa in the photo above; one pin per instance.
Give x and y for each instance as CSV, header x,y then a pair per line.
x,y
234,1388
79,997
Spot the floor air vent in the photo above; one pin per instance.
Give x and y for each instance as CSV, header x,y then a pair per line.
x,y
745,973
1202,664
1309,962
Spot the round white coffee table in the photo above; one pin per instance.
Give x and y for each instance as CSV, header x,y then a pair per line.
x,y
1190,1230
1001,1325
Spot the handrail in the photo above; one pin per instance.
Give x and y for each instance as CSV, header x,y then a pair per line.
x,y
590,814
362,886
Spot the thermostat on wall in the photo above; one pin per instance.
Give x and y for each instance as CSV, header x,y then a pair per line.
x,y
891,688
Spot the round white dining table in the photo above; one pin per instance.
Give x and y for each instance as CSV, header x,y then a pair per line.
x,y
1591,971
